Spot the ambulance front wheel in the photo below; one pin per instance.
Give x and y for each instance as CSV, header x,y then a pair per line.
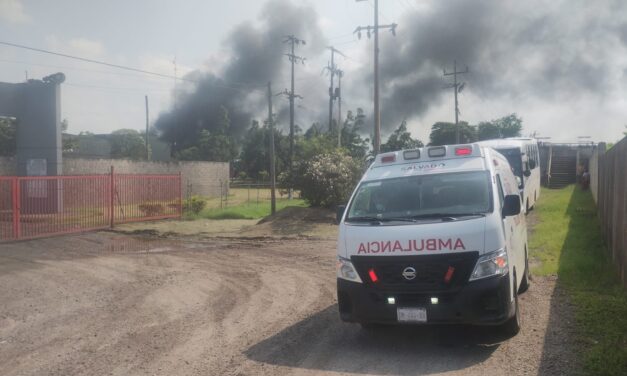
x,y
511,327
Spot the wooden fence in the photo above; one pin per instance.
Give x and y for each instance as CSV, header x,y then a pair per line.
x,y
611,199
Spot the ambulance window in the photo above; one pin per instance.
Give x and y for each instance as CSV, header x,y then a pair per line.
x,y
500,187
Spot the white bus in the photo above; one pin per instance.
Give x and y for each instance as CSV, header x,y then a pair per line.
x,y
524,158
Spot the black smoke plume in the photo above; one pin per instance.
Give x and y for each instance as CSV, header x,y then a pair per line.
x,y
256,56
555,50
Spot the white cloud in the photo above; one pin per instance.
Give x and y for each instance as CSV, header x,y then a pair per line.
x,y
12,11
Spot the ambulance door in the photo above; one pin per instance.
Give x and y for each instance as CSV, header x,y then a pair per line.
x,y
510,229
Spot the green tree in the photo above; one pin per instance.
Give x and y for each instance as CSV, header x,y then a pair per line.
x,y
486,130
510,125
352,141
127,143
444,133
400,139
255,156
507,126
8,129
212,145
70,142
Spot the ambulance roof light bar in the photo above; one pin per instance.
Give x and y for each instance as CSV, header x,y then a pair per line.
x,y
437,151
411,154
463,150
388,158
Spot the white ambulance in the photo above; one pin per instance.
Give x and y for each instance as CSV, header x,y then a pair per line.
x,y
434,235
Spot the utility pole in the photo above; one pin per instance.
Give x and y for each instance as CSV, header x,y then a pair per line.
x,y
375,29
175,78
272,172
338,95
457,88
291,95
332,71
147,125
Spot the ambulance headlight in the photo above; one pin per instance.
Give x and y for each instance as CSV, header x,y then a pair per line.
x,y
346,270
491,264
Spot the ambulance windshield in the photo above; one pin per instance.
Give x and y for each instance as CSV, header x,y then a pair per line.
x,y
421,196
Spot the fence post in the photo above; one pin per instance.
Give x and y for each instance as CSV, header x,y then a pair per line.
x,y
16,208
180,194
111,200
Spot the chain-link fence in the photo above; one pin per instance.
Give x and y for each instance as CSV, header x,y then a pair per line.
x,y
238,192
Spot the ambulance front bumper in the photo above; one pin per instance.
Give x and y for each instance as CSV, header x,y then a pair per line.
x,y
481,302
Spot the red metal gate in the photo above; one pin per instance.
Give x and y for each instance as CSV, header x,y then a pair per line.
x,y
32,207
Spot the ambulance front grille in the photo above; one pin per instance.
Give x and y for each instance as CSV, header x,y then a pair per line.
x,y
431,271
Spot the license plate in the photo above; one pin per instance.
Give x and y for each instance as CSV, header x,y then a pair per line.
x,y
411,314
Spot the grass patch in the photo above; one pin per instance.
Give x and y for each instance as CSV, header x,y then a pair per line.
x,y
245,210
239,196
567,241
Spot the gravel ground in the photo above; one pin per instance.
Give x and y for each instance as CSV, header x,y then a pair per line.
x,y
113,304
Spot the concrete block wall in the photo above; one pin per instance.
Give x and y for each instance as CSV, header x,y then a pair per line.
x,y
198,178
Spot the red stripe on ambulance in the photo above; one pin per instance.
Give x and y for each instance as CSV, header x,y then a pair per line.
x,y
412,245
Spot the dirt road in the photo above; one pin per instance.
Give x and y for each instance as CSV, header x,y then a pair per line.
x,y
110,304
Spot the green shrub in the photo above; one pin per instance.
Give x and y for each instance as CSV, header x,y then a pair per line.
x,y
194,204
326,180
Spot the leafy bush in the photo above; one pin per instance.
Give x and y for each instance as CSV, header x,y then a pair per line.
x,y
326,180
194,204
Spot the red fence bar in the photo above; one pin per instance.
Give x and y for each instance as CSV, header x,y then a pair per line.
x,y
7,208
16,209
32,207
111,190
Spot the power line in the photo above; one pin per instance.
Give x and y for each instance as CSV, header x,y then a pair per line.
x,y
124,67
86,59
72,68
89,86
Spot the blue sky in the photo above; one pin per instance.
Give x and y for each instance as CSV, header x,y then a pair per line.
x,y
151,34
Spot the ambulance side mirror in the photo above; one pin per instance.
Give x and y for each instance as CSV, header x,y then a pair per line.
x,y
339,213
511,205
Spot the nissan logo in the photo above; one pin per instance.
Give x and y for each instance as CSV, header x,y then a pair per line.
x,y
409,273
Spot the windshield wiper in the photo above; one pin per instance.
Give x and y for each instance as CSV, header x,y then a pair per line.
x,y
449,216
382,219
